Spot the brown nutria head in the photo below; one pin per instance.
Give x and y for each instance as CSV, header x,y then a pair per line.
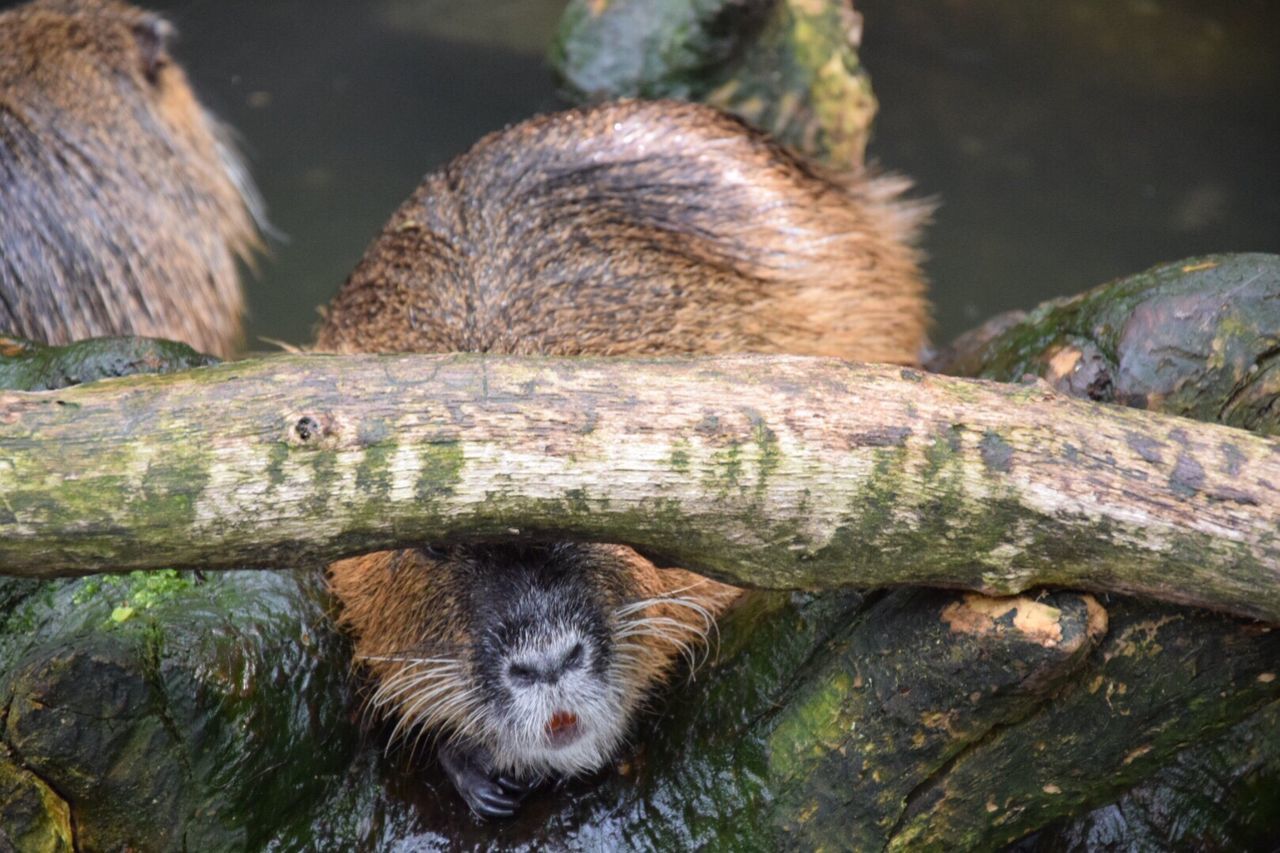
x,y
123,205
627,228
639,227
537,655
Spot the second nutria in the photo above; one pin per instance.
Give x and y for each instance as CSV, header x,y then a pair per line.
x,y
633,227
123,205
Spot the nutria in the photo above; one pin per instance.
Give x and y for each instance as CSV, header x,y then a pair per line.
x,y
633,227
533,658
124,207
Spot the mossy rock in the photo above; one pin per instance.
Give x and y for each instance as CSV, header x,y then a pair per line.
x,y
1220,795
1198,338
30,366
790,67
167,712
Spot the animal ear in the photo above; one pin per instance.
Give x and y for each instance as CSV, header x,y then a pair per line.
x,y
154,36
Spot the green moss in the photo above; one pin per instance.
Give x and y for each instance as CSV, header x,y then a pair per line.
x,y
662,514
873,506
89,589
766,441
148,589
324,468
726,468
943,451
373,474
170,487
441,470
131,594
578,501
30,366
809,724
277,454
373,479
32,816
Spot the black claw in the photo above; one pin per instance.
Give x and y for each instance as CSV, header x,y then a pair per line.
x,y
514,784
488,796
490,804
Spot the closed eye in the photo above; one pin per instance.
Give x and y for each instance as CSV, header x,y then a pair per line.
x,y
521,673
574,658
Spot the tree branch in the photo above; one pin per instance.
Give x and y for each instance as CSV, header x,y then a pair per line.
x,y
771,471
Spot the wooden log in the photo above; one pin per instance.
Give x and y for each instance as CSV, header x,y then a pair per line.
x,y
31,366
774,471
1163,679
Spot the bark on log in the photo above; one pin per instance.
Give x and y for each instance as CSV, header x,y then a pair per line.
x,y
1218,795
1163,679
770,471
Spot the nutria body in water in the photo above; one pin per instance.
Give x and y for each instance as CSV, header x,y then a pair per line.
x,y
627,228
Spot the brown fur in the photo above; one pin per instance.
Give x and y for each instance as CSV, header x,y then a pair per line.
x,y
628,228
639,227
123,206
400,601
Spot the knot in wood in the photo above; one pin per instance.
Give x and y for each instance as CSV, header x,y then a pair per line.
x,y
306,428
310,430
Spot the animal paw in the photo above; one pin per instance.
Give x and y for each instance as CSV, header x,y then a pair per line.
x,y
488,795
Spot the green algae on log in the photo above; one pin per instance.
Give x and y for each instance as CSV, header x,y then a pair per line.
x,y
789,67
793,472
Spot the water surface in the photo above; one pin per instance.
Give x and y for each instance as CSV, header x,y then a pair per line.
x,y
1069,142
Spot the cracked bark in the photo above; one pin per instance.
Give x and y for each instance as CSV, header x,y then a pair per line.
x,y
767,471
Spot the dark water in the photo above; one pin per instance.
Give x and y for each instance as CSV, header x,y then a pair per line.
x,y
1070,142
342,107
1076,141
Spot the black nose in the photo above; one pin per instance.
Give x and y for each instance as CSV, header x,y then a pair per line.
x,y
546,668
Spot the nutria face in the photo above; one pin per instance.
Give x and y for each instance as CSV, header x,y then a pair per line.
x,y
546,666
536,656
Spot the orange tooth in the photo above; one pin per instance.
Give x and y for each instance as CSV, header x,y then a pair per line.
x,y
561,721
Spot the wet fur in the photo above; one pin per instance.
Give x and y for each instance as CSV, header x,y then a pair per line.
x,y
420,625
628,228
639,227
123,205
